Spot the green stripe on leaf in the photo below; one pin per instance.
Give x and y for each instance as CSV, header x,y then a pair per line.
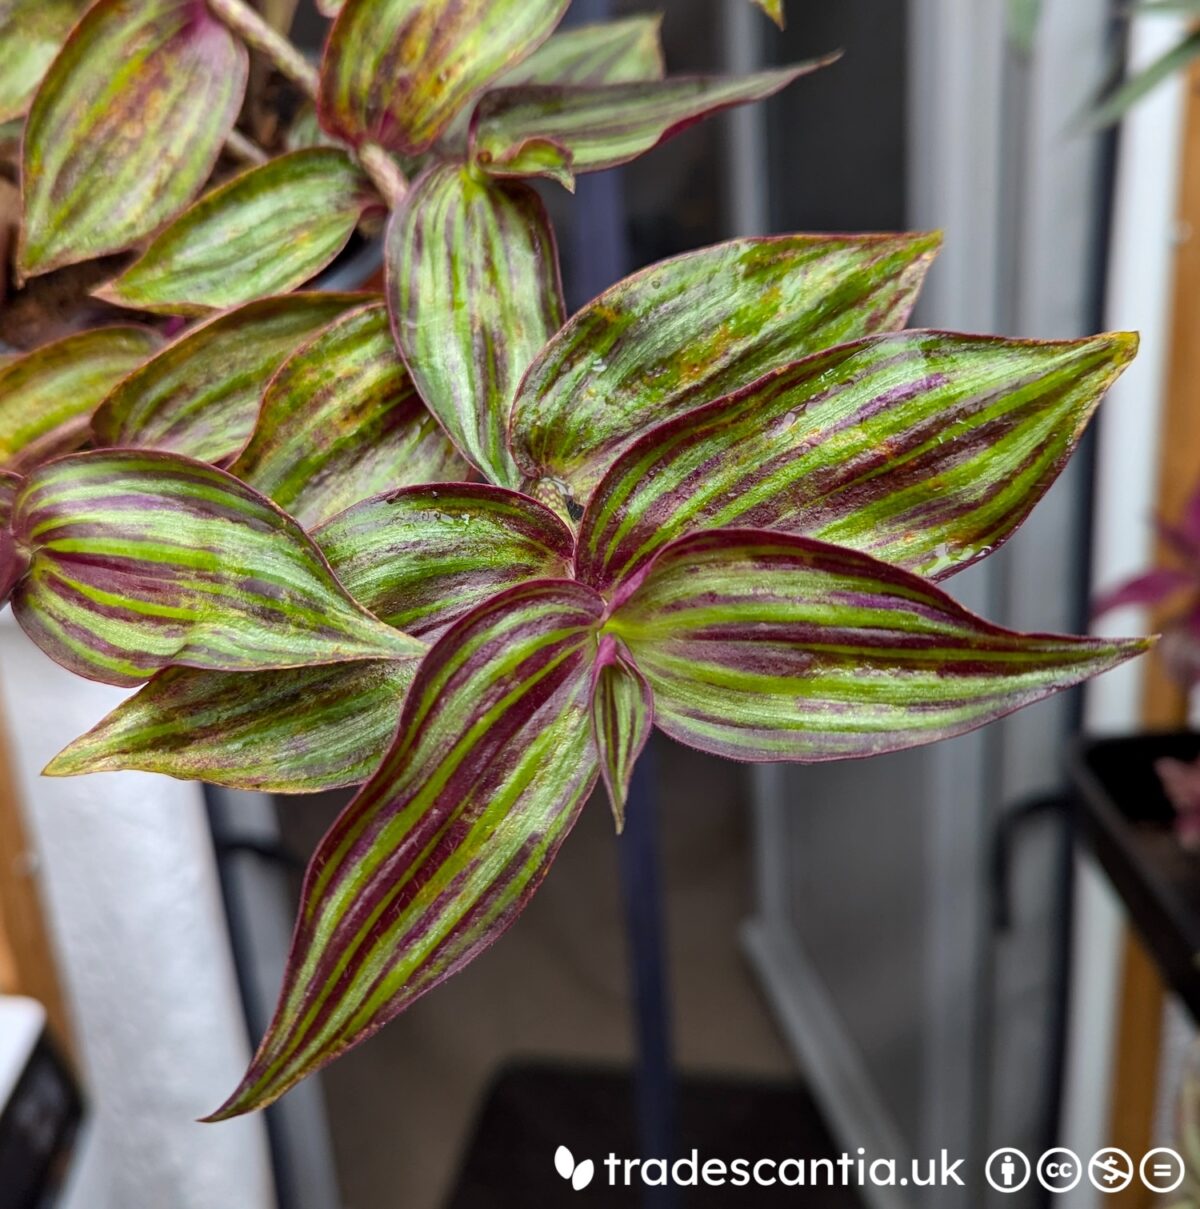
x,y
141,561
265,232
125,128
762,646
342,421
924,449
474,291
698,327
446,844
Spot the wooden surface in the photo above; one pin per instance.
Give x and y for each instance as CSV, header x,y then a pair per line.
x,y
27,960
1138,1057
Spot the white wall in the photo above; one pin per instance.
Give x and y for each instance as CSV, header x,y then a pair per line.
x,y
130,881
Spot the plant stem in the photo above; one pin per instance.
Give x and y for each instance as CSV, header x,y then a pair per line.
x,y
384,172
243,20
244,149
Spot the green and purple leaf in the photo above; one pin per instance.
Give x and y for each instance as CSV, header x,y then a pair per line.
x,y
200,396
31,34
422,557
265,232
140,561
613,52
125,127
699,327
299,730
341,421
600,126
622,719
396,72
924,449
47,397
13,561
445,845
763,646
419,559
474,292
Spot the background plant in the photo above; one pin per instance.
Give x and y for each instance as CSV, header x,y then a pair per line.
x,y
449,544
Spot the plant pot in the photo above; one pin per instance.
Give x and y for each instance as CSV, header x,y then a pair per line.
x,y
1127,821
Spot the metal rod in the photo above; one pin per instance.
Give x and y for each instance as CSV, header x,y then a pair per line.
x,y
641,885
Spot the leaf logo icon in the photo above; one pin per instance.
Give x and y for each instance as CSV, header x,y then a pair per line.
x,y
580,1174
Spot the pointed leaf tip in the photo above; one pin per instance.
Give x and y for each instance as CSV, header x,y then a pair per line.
x,y
761,646
622,719
144,560
445,845
925,449
774,10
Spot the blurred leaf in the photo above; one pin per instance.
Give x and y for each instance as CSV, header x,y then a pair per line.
x,y
422,557
615,52
300,730
924,449
1024,17
342,421
305,130
692,329
264,232
12,560
622,718
125,128
47,396
396,72
200,396
145,560
604,125
761,646
474,291
1112,108
31,34
773,9
446,844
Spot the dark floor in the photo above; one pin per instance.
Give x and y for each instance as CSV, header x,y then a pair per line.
x,y
533,1110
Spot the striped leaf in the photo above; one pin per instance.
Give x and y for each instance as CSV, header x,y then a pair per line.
x,y
31,34
422,557
614,52
601,126
125,128
474,291
622,718
447,842
419,559
924,449
47,396
763,646
342,421
200,396
698,327
295,731
263,232
144,560
12,560
396,72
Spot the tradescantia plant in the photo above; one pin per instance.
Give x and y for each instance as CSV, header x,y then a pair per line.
x,y
448,544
